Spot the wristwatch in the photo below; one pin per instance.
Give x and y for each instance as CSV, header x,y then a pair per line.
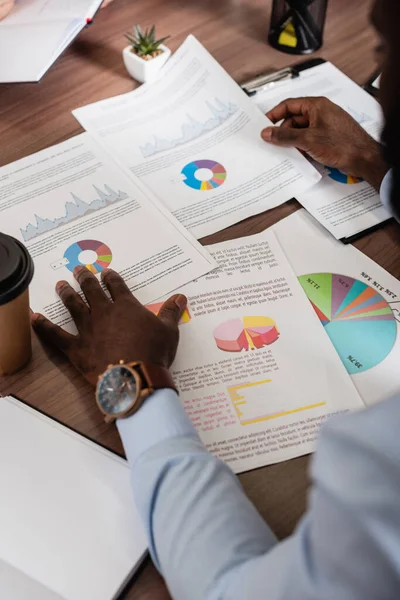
x,y
122,389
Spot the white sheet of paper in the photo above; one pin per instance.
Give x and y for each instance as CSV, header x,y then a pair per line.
x,y
15,585
193,137
67,517
344,205
377,82
72,205
369,332
255,370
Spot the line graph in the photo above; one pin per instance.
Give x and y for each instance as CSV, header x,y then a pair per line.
x,y
192,128
73,210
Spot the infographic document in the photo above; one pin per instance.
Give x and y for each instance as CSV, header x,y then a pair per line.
x,y
357,302
344,204
72,205
193,137
255,370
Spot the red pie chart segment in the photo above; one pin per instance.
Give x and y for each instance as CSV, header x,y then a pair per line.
x,y
246,333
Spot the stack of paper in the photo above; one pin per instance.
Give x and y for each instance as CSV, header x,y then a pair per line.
x,y
69,529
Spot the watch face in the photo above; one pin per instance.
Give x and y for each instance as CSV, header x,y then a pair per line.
x,y
117,390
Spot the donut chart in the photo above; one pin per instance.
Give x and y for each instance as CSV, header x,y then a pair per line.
x,y
246,333
216,179
358,320
340,177
103,260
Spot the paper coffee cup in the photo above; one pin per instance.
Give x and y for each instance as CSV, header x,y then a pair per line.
x,y
16,272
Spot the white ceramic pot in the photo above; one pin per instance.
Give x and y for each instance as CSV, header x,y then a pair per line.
x,y
145,70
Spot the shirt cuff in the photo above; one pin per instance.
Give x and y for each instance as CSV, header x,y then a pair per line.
x,y
386,190
161,417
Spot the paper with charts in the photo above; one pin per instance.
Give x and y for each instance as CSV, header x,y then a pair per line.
x,y
72,205
357,302
193,137
256,372
344,204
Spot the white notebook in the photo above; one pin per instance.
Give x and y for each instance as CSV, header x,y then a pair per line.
x,y
36,32
69,527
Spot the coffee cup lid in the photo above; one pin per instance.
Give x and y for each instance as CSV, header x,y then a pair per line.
x,y
16,268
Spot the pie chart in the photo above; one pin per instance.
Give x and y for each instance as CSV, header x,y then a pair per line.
x,y
215,175
101,252
358,320
340,177
246,333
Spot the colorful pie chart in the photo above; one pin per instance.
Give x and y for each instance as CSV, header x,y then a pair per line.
x,y
217,175
358,320
103,252
340,177
246,333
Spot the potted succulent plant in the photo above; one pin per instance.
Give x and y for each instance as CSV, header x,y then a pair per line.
x,y
145,55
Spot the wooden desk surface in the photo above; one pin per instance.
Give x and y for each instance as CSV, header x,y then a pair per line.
x,y
35,116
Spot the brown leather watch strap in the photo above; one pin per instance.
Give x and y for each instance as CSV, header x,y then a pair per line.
x,y
157,377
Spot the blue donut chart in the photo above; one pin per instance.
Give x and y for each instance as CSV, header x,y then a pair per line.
x,y
217,178
340,177
104,255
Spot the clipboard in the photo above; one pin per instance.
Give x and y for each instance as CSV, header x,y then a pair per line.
x,y
264,81
271,79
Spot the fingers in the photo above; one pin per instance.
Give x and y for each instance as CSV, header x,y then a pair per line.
x,y
91,288
285,136
289,107
51,333
73,302
172,310
116,285
298,122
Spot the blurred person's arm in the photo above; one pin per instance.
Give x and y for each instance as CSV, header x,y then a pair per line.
x,y
6,7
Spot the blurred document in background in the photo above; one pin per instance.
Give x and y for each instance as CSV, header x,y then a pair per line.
x,y
193,137
36,32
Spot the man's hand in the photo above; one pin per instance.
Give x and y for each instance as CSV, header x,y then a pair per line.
x,y
329,135
110,331
6,7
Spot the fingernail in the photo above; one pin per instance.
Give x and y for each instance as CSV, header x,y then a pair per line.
x,y
78,270
266,134
34,317
181,301
60,284
105,273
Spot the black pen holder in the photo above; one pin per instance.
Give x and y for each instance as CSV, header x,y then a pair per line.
x,y
297,25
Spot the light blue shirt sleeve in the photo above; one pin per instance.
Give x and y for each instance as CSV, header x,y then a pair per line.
x,y
210,543
386,188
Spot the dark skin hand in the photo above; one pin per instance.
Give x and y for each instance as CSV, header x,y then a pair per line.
x,y
112,330
329,135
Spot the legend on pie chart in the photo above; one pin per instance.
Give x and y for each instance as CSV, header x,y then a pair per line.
x,y
100,254
257,401
204,175
340,177
358,320
246,333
